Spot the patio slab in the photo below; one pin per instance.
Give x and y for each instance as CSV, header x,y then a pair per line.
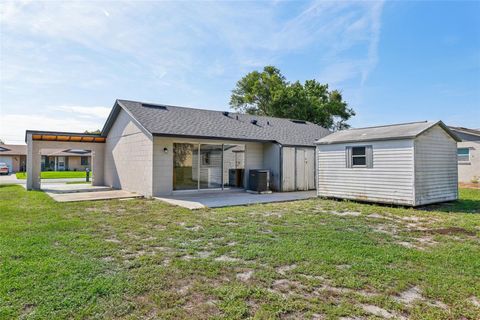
x,y
219,199
83,192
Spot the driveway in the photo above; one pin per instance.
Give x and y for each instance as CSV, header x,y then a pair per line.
x,y
218,199
10,179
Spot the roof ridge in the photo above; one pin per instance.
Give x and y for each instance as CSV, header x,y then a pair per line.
x,y
209,110
388,125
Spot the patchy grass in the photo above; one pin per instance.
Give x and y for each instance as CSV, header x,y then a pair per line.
x,y
55,174
144,259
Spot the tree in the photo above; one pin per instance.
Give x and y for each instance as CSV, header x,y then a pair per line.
x,y
93,132
268,93
256,92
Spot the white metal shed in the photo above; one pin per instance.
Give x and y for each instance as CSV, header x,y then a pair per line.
x,y
406,164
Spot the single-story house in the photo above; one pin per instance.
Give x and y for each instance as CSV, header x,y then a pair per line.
x,y
468,154
15,156
66,160
155,149
406,164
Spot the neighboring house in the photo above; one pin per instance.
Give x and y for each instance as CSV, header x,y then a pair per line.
x,y
155,149
468,154
15,156
408,164
66,160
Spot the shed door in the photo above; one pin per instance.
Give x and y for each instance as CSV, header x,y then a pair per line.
x,y
310,168
8,161
301,178
288,169
305,169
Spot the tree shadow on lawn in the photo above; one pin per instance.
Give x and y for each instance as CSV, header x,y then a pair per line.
x,y
459,206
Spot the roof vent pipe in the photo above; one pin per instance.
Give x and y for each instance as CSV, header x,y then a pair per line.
x,y
225,113
237,117
254,121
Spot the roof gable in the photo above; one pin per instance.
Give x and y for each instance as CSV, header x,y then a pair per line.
x,y
168,120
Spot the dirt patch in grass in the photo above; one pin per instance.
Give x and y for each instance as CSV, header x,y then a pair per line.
x,y
380,312
225,258
245,276
451,231
345,213
284,269
475,301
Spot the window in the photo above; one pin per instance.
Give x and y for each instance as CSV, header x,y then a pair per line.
x,y
84,161
359,157
463,154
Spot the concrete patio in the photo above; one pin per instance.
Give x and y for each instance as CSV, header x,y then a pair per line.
x,y
204,199
62,192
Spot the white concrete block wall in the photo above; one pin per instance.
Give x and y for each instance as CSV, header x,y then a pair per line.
x,y
436,172
391,179
129,156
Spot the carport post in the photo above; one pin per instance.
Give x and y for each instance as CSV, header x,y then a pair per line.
x,y
33,165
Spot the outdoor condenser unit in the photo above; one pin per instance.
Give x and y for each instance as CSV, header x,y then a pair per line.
x,y
259,180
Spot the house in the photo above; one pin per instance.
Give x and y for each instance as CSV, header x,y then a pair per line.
x,y
468,154
65,160
406,164
15,156
155,149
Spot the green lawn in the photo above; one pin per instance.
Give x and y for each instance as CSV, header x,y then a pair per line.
x,y
319,259
55,174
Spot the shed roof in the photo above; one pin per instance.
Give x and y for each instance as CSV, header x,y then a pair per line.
x,y
166,120
389,132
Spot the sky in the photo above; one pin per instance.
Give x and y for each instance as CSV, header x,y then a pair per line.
x,y
63,64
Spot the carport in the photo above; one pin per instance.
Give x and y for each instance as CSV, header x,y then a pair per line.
x,y
38,140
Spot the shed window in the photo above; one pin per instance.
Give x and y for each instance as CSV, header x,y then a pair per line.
x,y
84,161
463,154
359,157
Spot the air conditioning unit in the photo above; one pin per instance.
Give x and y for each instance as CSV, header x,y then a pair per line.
x,y
259,180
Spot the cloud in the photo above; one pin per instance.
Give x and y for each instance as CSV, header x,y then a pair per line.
x,y
95,112
79,53
13,126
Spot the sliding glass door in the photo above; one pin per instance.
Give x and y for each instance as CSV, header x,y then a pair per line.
x,y
207,166
185,166
211,159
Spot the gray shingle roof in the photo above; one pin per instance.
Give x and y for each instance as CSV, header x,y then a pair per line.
x,y
13,149
180,121
389,132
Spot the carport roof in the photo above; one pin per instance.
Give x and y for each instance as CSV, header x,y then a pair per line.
x,y
388,132
166,120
